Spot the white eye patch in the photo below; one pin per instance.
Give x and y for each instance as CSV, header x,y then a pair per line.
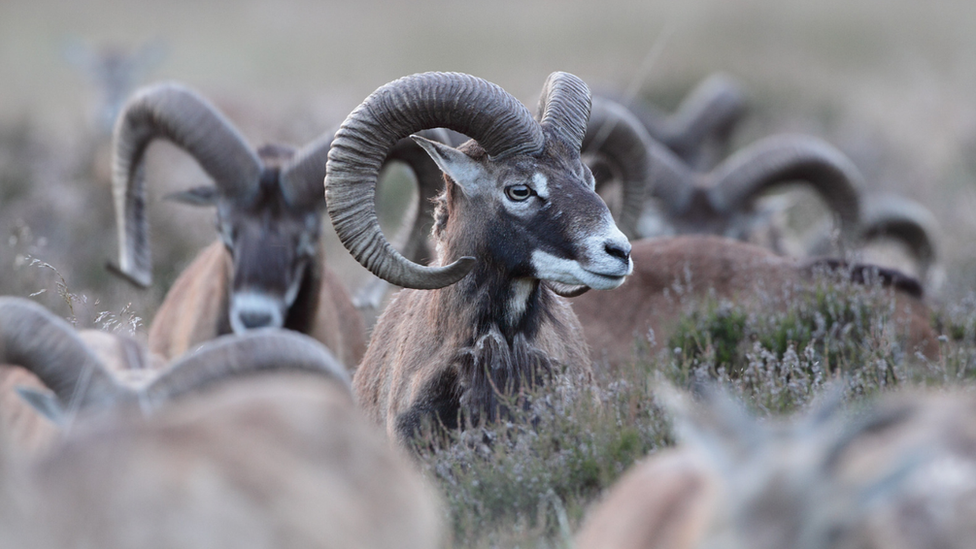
x,y
541,186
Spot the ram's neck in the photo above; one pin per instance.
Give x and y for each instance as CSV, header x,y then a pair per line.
x,y
493,321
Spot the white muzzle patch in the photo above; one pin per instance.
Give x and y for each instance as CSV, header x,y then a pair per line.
x,y
251,310
597,267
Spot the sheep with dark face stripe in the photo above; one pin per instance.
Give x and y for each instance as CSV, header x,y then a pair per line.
x,y
268,268
518,209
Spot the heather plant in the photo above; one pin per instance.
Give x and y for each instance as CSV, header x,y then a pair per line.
x,y
780,352
957,360
528,479
525,480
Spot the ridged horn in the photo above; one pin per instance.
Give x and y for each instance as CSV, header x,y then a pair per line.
x,y
782,159
618,139
564,107
430,182
229,356
47,346
303,178
710,111
460,102
671,179
173,112
905,220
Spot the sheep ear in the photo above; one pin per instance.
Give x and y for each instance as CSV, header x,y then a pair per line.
x,y
197,196
467,173
45,402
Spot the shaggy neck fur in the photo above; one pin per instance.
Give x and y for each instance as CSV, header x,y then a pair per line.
x,y
492,316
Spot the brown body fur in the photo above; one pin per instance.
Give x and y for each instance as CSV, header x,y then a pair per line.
x,y
665,502
518,209
282,462
416,343
195,310
704,265
22,429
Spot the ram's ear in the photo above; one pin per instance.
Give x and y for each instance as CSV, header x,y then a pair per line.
x,y
44,401
197,196
466,172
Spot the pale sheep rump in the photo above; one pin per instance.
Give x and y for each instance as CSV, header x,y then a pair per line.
x,y
282,462
901,474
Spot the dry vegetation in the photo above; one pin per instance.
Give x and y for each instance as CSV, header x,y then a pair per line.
x,y
892,84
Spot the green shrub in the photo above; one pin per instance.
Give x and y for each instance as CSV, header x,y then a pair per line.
x,y
780,351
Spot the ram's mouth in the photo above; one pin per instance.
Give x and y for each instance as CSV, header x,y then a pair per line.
x,y
567,290
572,273
602,281
577,275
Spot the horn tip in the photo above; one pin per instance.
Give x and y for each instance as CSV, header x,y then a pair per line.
x,y
452,273
462,265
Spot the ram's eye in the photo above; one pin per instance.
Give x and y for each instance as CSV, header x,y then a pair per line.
x,y
518,193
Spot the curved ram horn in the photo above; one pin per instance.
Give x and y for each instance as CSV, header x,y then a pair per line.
x,y
303,177
619,140
782,159
670,178
564,107
711,110
170,111
262,350
47,346
430,182
904,220
460,102
411,238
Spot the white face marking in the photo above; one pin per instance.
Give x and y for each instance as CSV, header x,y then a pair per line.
x,y
541,185
567,271
296,285
267,310
597,268
521,289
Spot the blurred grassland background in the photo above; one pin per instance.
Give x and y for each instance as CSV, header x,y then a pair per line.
x,y
891,83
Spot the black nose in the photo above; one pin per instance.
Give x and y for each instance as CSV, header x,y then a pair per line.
x,y
255,319
617,249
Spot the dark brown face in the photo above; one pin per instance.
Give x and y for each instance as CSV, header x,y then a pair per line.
x,y
272,240
272,244
539,216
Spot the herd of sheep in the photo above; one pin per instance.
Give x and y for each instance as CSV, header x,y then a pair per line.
x,y
259,414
